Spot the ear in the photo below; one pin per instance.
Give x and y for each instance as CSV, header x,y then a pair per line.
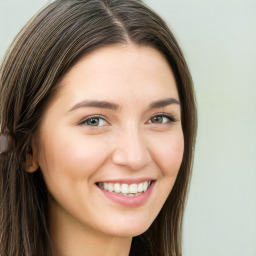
x,y
31,164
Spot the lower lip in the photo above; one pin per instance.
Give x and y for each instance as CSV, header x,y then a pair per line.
x,y
130,201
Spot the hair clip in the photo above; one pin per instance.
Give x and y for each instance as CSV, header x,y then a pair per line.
x,y
5,143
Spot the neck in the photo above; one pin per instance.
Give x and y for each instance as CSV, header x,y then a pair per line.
x,y
71,238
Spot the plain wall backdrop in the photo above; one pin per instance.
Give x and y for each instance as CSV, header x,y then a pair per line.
x,y
219,42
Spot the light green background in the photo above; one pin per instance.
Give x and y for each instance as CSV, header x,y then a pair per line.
x,y
219,42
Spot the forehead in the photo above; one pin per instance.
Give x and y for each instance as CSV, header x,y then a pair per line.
x,y
120,73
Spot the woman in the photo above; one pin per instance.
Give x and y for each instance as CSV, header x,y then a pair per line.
x,y
97,100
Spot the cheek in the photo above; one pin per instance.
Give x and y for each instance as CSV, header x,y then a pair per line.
x,y
71,156
170,155
167,156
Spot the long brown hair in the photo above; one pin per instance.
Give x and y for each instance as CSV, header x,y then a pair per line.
x,y
49,45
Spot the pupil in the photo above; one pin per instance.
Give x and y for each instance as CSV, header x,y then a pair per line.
x,y
157,119
93,121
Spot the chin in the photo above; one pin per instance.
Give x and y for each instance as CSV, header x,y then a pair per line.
x,y
129,228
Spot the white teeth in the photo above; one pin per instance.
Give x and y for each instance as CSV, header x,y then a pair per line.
x,y
145,186
125,189
117,188
110,187
140,187
134,188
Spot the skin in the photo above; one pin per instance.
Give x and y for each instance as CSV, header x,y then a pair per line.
x,y
128,143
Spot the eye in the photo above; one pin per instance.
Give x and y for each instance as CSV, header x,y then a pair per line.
x,y
95,121
161,119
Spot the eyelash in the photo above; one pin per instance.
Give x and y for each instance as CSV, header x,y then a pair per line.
x,y
169,117
164,115
83,122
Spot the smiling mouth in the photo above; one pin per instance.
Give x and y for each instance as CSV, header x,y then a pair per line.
x,y
125,189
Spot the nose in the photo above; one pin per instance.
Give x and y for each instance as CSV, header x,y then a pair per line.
x,y
131,150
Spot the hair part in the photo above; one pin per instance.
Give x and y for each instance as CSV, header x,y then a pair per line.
x,y
46,48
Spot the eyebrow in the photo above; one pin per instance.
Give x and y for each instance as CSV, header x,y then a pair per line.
x,y
163,103
95,103
115,107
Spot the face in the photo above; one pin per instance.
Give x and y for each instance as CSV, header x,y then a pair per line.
x,y
111,143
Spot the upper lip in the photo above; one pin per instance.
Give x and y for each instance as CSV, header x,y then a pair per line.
x,y
127,181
